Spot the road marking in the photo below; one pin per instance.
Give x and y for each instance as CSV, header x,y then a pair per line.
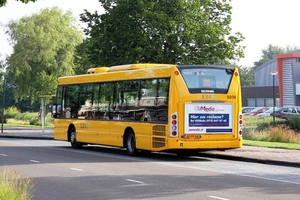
x,y
58,147
35,161
214,197
135,181
3,155
76,169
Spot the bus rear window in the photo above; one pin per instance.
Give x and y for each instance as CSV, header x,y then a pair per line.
x,y
204,80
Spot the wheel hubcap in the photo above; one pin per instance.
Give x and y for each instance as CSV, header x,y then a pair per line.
x,y
73,137
131,143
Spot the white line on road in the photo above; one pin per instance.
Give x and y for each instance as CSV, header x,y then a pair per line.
x,y
214,197
35,161
156,162
76,169
3,155
135,181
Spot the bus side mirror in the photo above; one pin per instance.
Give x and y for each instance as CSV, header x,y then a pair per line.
x,y
55,110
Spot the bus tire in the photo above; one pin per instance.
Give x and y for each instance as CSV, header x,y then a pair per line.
x,y
130,144
74,143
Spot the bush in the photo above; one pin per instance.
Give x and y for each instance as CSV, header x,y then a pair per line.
x,y
277,133
262,126
12,186
294,123
35,121
29,118
11,112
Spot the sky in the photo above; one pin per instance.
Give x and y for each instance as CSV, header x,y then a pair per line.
x,y
261,22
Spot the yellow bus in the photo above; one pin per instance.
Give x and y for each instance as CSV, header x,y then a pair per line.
x,y
151,107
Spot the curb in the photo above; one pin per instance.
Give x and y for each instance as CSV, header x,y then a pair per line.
x,y
252,160
27,137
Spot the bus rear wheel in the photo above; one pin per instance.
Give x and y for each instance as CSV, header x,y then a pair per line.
x,y
130,144
74,143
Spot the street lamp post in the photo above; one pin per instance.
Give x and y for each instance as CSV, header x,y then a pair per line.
x,y
274,97
3,104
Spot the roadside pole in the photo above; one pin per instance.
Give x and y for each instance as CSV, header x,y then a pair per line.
x,y
43,110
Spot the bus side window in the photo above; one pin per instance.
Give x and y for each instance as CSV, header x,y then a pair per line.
x,y
148,93
85,101
130,99
71,101
57,103
106,100
95,102
163,92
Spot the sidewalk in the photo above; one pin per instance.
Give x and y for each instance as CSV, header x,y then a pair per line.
x,y
29,133
262,155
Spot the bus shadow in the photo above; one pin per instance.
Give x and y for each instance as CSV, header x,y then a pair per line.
x,y
161,156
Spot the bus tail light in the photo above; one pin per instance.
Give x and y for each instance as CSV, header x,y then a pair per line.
x,y
240,124
174,125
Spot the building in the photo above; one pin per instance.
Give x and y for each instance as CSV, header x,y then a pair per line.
x,y
278,79
260,96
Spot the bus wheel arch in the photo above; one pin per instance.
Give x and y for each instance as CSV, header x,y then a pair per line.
x,y
129,142
72,137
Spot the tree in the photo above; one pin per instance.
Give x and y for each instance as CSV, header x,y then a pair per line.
x,y
2,67
246,76
271,51
81,58
177,31
43,49
4,2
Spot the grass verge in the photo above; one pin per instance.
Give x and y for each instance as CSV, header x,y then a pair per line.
x,y
271,144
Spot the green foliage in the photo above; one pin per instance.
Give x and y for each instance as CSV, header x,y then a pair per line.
x,y
255,121
294,123
271,144
16,118
263,129
81,58
12,186
262,126
246,76
176,31
11,112
278,133
276,136
271,52
35,121
4,2
26,116
44,46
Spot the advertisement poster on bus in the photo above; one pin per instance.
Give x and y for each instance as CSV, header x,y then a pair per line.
x,y
208,118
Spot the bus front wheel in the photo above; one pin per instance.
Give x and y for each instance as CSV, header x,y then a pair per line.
x,y
73,140
130,144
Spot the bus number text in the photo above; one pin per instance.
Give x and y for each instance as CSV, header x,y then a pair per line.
x,y
231,97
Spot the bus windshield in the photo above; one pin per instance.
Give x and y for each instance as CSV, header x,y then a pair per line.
x,y
205,79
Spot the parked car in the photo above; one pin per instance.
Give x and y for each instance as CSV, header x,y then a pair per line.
x,y
247,109
269,112
289,112
277,112
256,111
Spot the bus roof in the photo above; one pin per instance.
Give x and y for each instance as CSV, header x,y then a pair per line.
x,y
125,67
97,70
136,66
118,73
141,70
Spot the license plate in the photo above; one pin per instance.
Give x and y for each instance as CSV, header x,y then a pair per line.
x,y
193,136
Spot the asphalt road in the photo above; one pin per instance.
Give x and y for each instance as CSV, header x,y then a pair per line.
x,y
60,172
